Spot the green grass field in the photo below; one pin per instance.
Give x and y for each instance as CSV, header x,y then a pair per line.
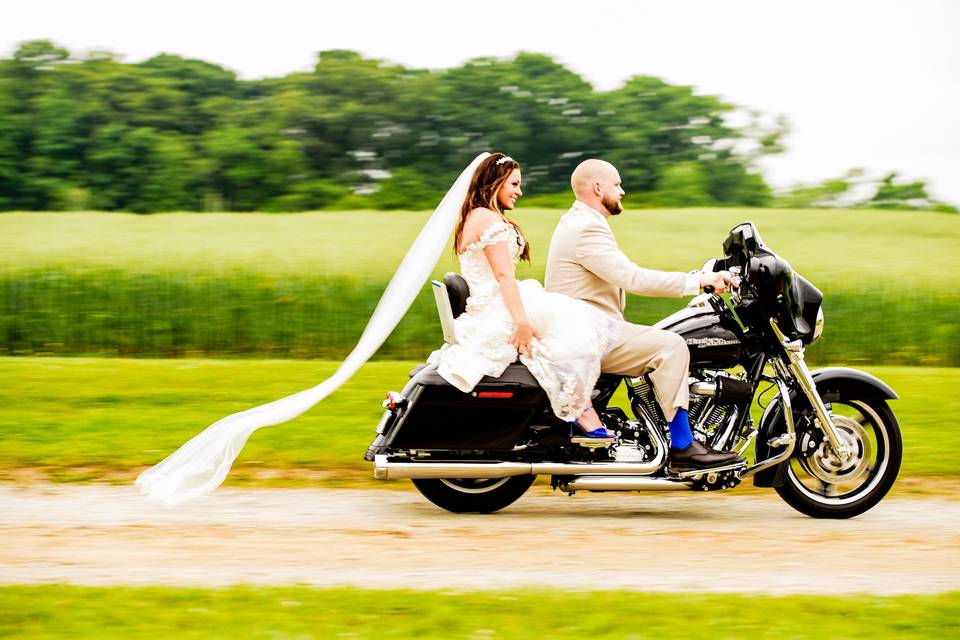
x,y
861,248
41,612
303,285
104,419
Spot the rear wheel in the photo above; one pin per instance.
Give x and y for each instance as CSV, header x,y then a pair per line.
x,y
469,495
821,485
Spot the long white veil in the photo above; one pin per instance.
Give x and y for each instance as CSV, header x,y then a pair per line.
x,y
200,465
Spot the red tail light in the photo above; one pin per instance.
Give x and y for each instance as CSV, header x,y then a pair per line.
x,y
495,394
393,399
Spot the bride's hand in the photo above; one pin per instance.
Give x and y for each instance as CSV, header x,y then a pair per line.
x,y
522,336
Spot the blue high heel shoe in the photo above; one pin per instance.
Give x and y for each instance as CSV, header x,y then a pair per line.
x,y
599,432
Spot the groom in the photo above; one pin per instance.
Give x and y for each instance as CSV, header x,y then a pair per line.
x,y
584,262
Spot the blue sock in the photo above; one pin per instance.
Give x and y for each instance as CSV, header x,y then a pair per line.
x,y
680,435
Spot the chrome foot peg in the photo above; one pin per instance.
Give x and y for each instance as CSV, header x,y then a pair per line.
x,y
696,474
592,443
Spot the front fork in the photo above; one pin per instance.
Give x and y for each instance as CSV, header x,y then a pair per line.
x,y
796,367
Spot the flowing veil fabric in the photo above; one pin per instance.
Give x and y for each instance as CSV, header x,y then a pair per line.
x,y
200,465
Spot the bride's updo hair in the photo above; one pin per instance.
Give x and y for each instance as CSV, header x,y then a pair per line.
x,y
487,180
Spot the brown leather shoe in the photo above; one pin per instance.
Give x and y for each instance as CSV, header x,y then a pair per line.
x,y
698,457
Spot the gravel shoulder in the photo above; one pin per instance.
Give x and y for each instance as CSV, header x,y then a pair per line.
x,y
105,535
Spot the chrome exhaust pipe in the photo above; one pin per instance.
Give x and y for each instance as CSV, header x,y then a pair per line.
x,y
622,483
384,469
592,468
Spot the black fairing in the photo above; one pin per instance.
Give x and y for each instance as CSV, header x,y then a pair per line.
x,y
741,243
787,296
807,300
782,294
714,340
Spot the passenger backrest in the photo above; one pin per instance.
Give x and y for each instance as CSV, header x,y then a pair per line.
x,y
458,290
451,298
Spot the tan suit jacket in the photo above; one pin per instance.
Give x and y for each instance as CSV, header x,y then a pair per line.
x,y
585,262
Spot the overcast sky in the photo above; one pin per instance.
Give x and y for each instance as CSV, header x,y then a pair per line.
x,y
869,83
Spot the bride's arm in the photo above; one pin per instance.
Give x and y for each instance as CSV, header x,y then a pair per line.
x,y
498,256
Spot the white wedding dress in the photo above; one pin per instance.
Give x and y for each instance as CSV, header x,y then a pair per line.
x,y
566,358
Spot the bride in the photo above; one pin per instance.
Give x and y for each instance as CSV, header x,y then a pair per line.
x,y
559,339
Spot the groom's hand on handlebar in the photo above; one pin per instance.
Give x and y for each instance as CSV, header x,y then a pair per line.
x,y
522,336
717,282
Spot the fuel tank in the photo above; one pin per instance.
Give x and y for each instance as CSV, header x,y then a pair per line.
x,y
714,338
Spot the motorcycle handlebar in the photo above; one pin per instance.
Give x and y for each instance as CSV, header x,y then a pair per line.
x,y
734,271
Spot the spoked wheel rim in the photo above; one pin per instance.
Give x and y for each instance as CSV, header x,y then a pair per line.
x,y
474,485
825,478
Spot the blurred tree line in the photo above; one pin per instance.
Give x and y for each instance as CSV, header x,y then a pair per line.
x,y
855,189
172,133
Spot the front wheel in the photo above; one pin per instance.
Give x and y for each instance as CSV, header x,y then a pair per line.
x,y
821,485
467,495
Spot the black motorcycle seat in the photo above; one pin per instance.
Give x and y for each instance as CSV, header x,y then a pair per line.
x,y
515,375
458,291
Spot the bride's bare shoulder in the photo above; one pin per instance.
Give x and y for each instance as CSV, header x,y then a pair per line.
x,y
481,216
476,223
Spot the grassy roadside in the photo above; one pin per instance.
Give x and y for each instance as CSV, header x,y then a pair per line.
x,y
40,612
104,419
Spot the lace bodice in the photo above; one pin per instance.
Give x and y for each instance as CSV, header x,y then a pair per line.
x,y
474,266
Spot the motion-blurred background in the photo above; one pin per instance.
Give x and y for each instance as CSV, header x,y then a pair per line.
x,y
204,200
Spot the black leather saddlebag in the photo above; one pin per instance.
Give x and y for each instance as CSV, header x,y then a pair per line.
x,y
492,417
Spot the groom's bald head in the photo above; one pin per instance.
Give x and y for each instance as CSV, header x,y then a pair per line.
x,y
597,183
588,173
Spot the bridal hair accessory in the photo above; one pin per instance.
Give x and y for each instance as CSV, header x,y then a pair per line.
x,y
200,465
503,160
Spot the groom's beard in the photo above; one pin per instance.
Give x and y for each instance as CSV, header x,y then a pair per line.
x,y
613,206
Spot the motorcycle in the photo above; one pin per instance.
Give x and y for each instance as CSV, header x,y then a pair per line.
x,y
827,441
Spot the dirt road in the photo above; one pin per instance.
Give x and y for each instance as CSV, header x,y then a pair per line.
x,y
665,542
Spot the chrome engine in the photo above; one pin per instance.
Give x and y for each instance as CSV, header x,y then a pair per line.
x,y
713,399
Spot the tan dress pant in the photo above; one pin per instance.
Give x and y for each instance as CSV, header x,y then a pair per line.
x,y
662,354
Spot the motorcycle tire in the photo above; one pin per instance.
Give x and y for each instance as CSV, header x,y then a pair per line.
x,y
807,486
473,495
